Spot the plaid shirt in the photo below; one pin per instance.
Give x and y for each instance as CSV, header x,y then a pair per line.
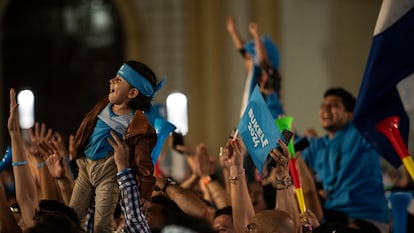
x,y
135,220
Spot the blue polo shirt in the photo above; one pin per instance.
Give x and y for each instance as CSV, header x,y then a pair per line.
x,y
350,171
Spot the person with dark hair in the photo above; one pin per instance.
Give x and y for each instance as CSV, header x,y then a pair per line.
x,y
57,206
223,220
48,221
164,215
55,216
347,166
161,210
122,111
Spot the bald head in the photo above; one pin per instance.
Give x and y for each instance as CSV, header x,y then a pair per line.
x,y
275,221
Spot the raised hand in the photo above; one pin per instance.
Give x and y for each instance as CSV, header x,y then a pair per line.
x,y
224,158
253,29
56,166
38,134
236,150
203,164
60,146
26,193
13,121
231,24
281,159
121,152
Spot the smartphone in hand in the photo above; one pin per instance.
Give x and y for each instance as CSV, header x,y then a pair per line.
x,y
286,137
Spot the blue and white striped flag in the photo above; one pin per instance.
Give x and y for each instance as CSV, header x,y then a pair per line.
x,y
387,87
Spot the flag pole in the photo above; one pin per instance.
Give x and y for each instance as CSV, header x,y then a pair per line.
x,y
236,133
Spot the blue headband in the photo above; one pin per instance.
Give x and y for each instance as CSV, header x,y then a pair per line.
x,y
138,81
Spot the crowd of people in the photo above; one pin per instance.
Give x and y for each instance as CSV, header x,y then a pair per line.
x,y
102,179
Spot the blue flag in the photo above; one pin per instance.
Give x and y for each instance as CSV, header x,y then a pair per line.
x,y
272,100
258,130
388,81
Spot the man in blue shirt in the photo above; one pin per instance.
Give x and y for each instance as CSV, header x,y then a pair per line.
x,y
347,166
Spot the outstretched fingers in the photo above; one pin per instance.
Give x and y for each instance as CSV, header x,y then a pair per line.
x,y
13,121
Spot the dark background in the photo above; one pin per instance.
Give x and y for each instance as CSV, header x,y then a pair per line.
x,y
55,49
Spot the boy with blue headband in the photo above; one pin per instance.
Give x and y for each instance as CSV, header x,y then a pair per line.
x,y
122,112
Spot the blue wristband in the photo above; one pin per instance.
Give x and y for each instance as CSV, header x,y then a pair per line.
x,y
21,163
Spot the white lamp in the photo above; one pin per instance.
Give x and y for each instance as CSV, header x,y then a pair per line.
x,y
177,112
25,99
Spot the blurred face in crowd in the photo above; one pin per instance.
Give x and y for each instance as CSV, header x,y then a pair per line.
x,y
332,114
224,224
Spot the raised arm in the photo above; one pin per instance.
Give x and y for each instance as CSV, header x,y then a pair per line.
x,y
260,49
285,197
39,136
193,179
205,169
186,199
241,202
58,168
239,44
225,169
135,219
235,36
26,194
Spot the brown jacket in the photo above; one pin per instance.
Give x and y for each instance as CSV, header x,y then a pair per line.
x,y
141,138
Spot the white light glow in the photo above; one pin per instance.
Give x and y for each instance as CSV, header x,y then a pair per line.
x,y
25,99
177,112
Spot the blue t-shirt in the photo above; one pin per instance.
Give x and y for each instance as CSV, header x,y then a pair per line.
x,y
98,146
350,171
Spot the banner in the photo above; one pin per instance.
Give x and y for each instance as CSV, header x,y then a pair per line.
x,y
258,130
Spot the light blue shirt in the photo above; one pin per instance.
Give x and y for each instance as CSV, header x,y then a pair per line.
x,y
350,171
98,146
